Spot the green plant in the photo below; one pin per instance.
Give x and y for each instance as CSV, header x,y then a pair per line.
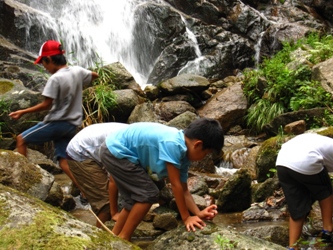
x,y
4,106
4,110
106,76
274,89
99,98
224,243
310,94
272,172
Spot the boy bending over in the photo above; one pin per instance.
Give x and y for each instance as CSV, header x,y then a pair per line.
x,y
142,150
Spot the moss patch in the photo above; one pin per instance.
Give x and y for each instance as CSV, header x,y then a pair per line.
x,y
5,86
39,235
29,174
327,132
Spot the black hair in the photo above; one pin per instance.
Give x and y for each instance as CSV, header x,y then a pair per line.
x,y
209,131
57,59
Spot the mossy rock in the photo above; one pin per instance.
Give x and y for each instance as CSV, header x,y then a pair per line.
x,y
267,155
29,223
326,132
5,86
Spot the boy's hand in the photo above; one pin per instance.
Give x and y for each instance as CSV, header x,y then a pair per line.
x,y
194,221
208,213
16,114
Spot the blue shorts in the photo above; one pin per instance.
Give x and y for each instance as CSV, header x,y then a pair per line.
x,y
60,132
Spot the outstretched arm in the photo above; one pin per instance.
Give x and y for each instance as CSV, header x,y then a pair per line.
x,y
45,105
183,200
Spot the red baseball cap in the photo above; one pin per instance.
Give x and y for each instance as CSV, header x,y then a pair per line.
x,y
49,48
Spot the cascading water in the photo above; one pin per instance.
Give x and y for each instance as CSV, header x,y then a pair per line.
x,y
95,31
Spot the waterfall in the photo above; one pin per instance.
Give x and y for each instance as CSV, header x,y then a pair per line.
x,y
257,49
93,31
192,66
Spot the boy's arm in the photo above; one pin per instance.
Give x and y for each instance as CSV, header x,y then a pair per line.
x,y
45,105
94,76
177,189
190,201
182,198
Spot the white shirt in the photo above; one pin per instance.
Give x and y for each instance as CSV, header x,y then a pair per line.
x,y
84,144
307,154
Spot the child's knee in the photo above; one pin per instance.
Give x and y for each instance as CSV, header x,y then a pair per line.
x,y
19,140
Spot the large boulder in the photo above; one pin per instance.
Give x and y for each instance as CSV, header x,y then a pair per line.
x,y
228,106
17,172
15,96
235,196
29,223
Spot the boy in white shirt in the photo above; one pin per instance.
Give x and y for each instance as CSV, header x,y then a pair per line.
x,y
302,165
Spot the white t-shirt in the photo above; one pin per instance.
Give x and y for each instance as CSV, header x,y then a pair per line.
x,y
307,154
84,144
65,88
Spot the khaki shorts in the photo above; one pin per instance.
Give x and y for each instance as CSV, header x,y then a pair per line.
x,y
93,181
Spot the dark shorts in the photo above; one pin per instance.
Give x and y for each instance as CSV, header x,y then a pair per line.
x,y
302,190
94,183
60,132
133,182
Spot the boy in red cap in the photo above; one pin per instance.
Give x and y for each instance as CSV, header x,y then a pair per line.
x,y
63,99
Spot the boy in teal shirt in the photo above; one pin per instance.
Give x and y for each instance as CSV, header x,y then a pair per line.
x,y
145,152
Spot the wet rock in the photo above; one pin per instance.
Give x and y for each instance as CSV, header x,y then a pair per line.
x,y
235,195
165,221
43,161
197,185
276,234
227,106
167,111
17,172
210,237
262,191
295,128
183,120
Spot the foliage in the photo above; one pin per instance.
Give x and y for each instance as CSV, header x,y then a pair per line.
x,y
272,172
99,98
4,110
224,243
4,106
276,87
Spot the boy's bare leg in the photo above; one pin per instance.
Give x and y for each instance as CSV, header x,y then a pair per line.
x,y
120,221
295,230
103,215
65,167
113,198
135,216
20,145
326,206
